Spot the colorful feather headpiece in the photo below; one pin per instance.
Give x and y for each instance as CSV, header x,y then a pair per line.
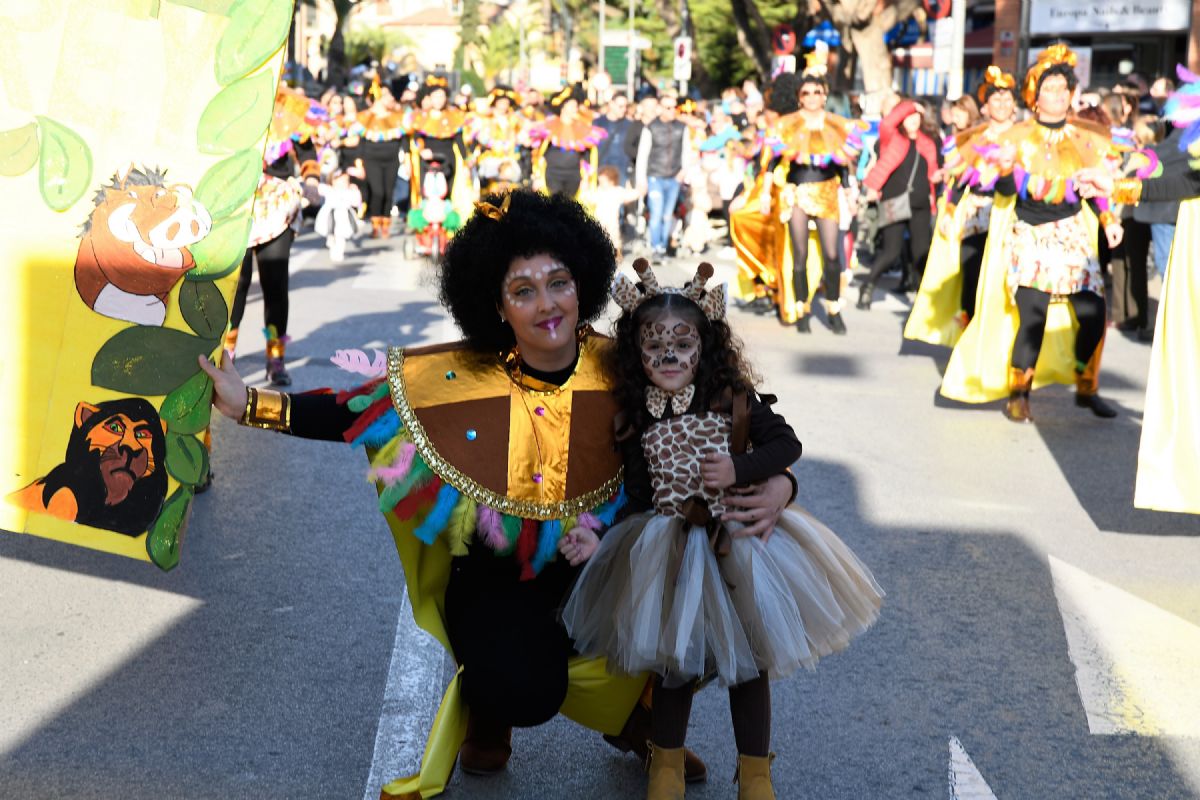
x,y
630,295
995,80
1053,55
1183,109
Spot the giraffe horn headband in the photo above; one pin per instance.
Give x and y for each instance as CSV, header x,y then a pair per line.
x,y
630,295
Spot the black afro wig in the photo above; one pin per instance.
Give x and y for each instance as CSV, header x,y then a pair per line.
x,y
784,93
479,256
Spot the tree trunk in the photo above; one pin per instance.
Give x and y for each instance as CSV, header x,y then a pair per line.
x,y
700,77
753,36
335,68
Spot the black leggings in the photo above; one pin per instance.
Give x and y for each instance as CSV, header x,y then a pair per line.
x,y
272,258
971,260
749,705
1032,306
380,160
827,232
506,636
919,235
564,183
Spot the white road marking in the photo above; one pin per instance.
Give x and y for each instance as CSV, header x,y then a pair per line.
x,y
64,634
410,700
1135,663
966,782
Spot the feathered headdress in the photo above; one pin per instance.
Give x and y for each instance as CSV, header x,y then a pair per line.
x,y
816,62
995,80
630,295
1052,56
1183,109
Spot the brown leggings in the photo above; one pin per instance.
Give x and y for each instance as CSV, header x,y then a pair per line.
x,y
749,705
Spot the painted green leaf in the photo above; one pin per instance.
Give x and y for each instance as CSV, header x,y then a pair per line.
x,y
222,251
257,28
187,458
229,183
64,165
186,409
18,150
148,360
166,534
203,308
238,116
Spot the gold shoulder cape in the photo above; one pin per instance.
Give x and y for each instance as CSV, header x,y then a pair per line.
x,y
1168,476
436,481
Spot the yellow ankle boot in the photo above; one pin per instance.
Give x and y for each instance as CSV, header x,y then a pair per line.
x,y
666,773
754,778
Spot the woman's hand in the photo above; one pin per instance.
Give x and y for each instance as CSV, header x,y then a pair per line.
x,y
759,506
1114,233
717,471
229,392
873,195
1094,182
578,545
946,224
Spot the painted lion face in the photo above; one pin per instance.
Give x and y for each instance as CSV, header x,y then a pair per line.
x,y
124,449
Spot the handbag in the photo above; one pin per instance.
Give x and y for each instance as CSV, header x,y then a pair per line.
x,y
899,209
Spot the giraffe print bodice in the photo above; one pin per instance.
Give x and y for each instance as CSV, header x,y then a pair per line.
x,y
673,449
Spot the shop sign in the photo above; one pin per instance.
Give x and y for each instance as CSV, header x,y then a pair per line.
x,y
1058,17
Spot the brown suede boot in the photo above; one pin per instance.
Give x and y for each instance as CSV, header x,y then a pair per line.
x,y
666,773
754,778
1087,387
487,748
635,738
1020,382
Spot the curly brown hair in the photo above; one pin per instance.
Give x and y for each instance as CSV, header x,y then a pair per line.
x,y
722,364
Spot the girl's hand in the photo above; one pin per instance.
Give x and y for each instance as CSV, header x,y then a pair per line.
x,y
229,392
759,506
717,471
578,545
1114,232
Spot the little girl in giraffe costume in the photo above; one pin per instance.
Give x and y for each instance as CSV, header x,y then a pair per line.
x,y
672,589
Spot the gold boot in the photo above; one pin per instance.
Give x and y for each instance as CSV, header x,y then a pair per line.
x,y
1087,387
231,337
665,766
754,778
1020,382
277,374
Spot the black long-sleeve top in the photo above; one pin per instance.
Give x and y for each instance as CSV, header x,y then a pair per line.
x,y
775,449
1180,186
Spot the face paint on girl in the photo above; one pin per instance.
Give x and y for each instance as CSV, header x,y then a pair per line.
x,y
670,352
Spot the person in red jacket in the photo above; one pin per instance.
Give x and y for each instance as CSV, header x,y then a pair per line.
x,y
907,165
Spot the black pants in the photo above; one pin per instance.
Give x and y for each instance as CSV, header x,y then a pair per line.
x,y
1032,306
506,635
749,705
272,258
971,261
827,233
380,160
1130,296
920,234
564,183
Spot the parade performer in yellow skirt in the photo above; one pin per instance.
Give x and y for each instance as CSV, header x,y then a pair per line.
x,y
1168,476
1045,249
810,150
441,183
486,453
498,137
946,301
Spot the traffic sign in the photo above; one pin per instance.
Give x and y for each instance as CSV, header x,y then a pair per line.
x,y
683,58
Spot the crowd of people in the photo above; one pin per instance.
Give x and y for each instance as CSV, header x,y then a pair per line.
x,y
665,552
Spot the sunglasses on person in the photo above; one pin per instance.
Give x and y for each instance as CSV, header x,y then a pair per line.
x,y
815,93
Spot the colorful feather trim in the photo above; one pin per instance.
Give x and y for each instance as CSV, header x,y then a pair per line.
x,y
438,517
549,532
1183,109
399,468
417,500
512,532
491,528
357,362
526,548
379,432
461,526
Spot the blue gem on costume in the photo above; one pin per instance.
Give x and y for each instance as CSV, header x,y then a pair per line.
x,y
450,375
471,434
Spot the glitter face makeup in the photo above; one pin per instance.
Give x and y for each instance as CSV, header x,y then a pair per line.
x,y
539,299
670,352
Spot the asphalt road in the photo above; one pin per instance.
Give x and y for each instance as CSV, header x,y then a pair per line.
x,y
266,665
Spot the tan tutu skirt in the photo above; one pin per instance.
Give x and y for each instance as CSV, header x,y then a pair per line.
x,y
655,598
